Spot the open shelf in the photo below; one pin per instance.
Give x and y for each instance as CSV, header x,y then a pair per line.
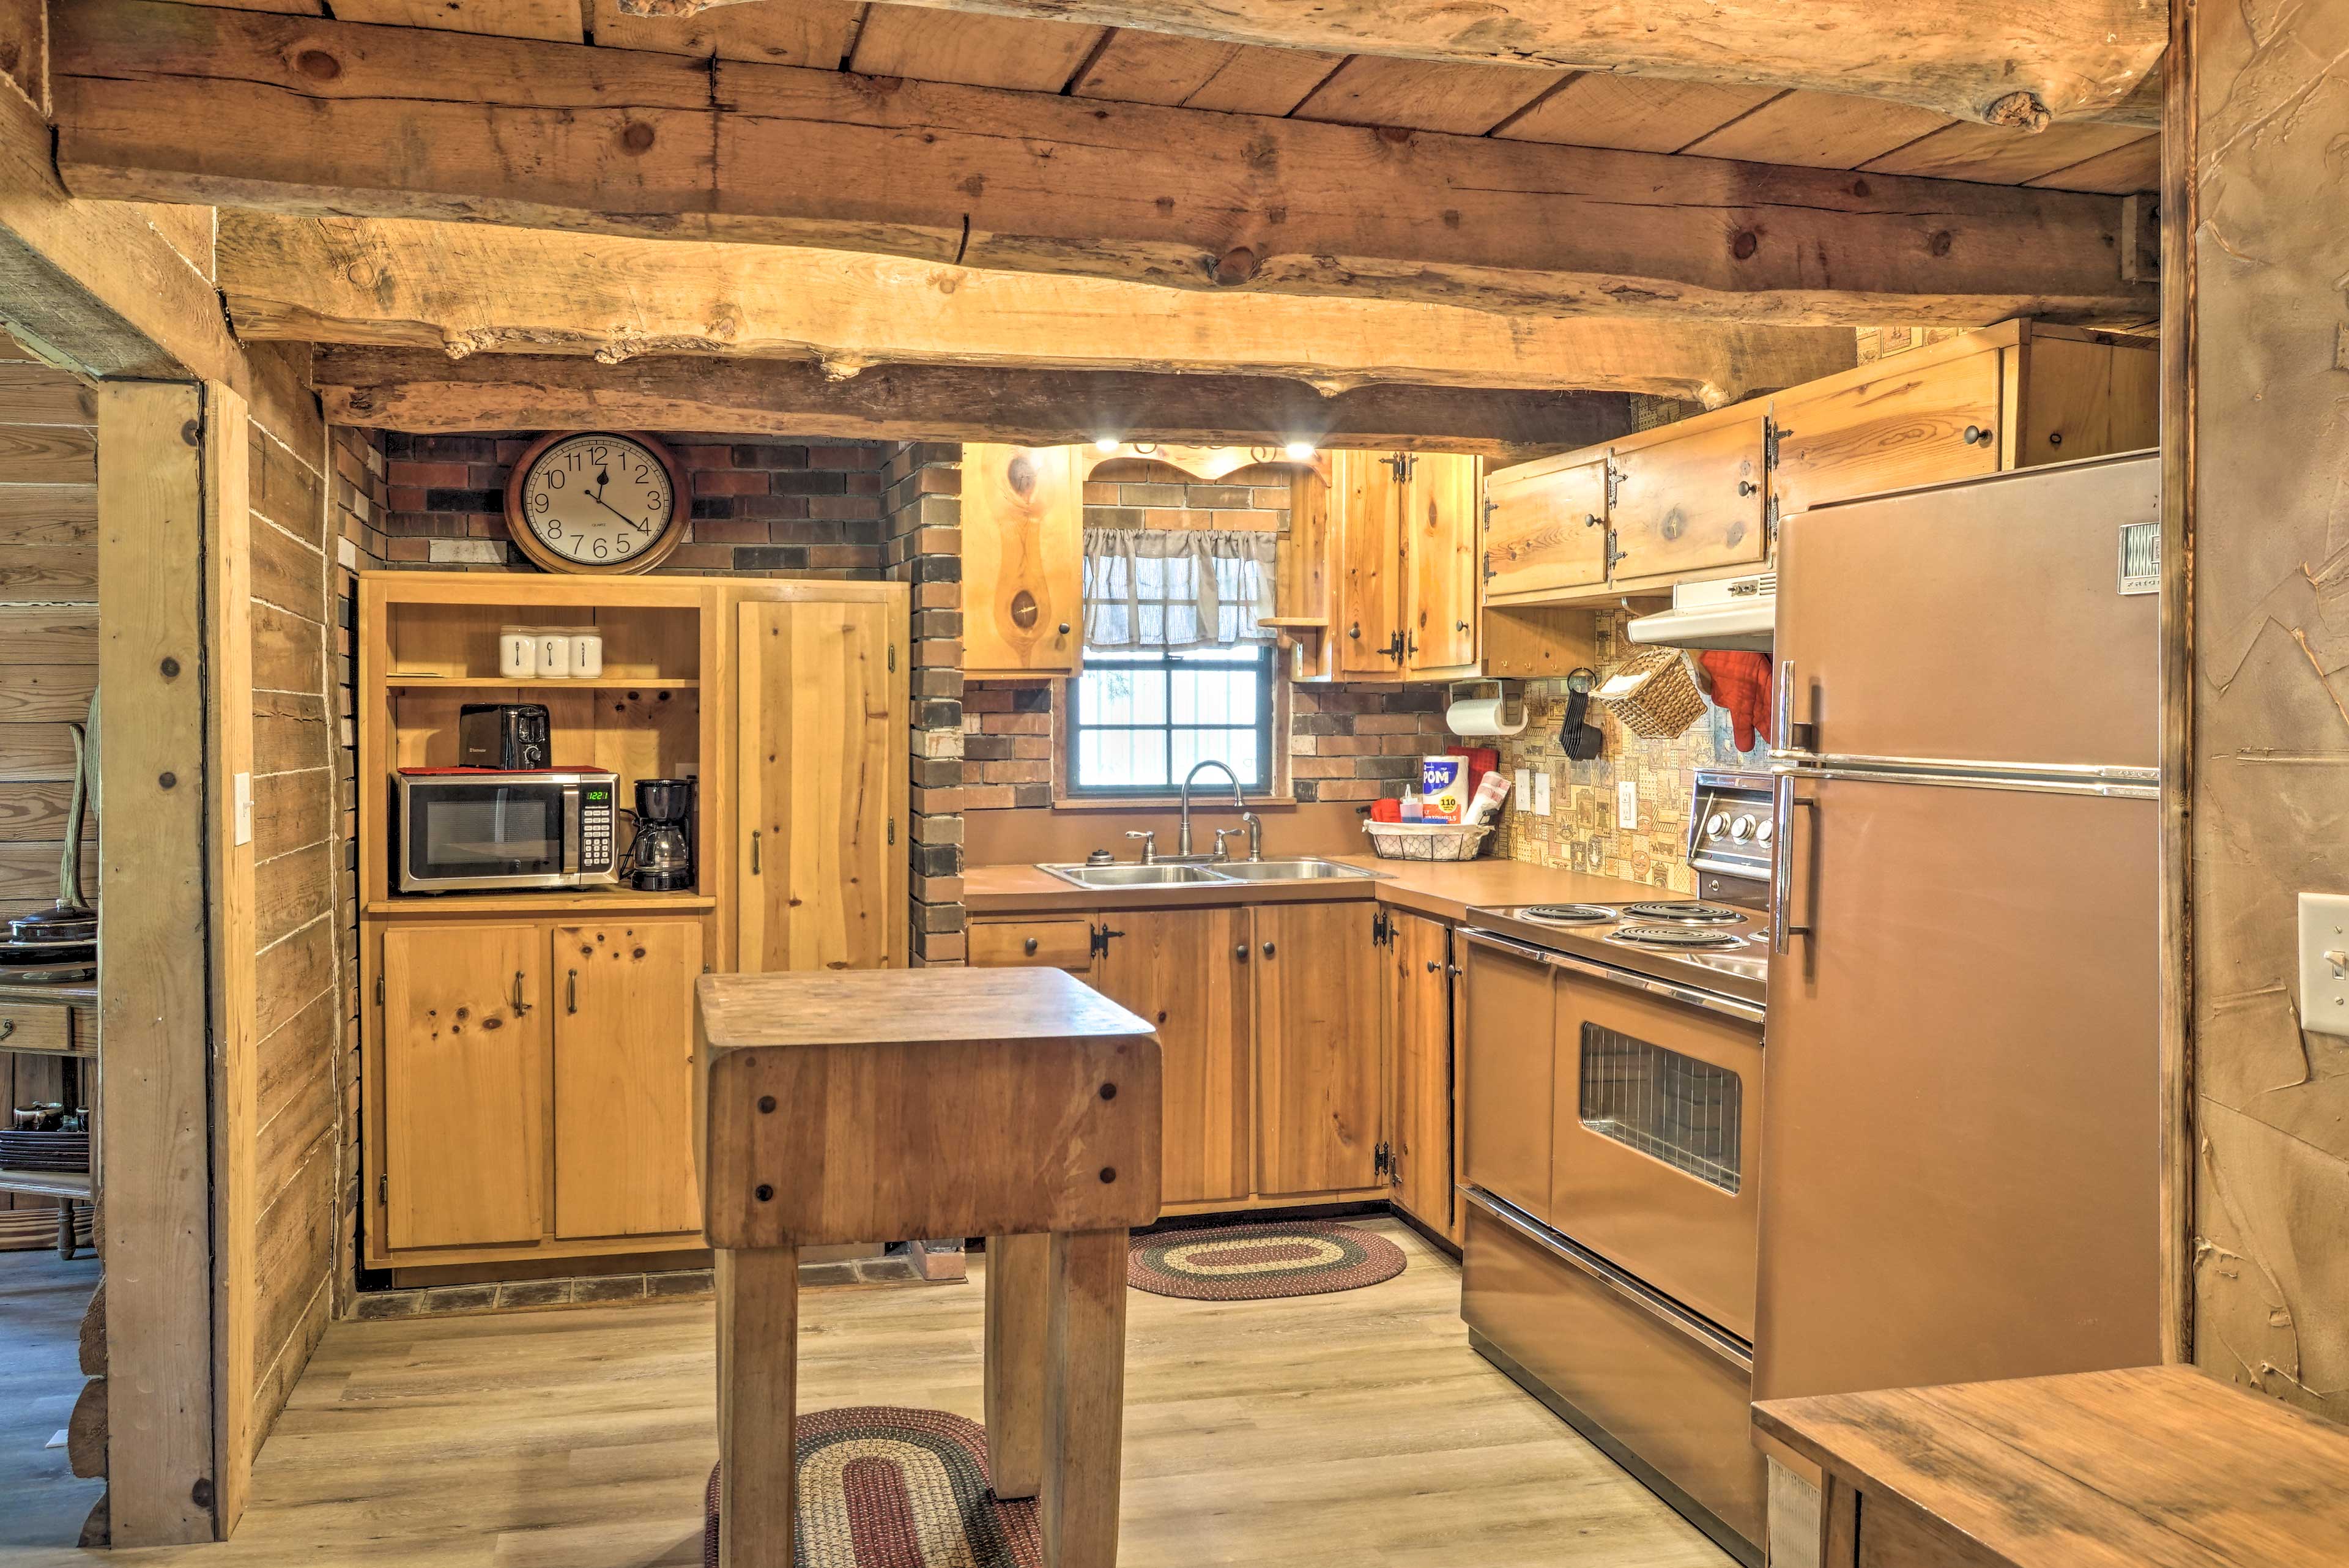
x,y
554,683
74,1184
552,903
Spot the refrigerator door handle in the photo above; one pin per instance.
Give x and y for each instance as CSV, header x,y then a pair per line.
x,y
1782,802
1786,735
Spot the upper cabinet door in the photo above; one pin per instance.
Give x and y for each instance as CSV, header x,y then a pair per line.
x,y
1022,560
1690,503
1544,530
1366,510
464,1064
1439,504
1910,425
623,1007
821,778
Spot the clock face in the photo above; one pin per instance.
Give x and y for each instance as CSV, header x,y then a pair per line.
x,y
598,500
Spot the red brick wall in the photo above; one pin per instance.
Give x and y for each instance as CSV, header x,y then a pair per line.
x,y
763,505
1136,493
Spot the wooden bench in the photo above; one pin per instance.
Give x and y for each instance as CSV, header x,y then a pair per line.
x,y
1018,1105
2162,1467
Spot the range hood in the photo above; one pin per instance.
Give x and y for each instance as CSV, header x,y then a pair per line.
x,y
1728,612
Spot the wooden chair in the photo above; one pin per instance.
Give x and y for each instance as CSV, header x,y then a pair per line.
x,y
1014,1103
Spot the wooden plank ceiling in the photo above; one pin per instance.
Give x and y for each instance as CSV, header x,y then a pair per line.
x,y
1559,106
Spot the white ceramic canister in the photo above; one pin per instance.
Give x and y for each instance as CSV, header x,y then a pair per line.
x,y
518,652
553,653
586,655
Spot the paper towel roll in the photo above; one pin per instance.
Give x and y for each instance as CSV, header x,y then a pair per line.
x,y
1483,716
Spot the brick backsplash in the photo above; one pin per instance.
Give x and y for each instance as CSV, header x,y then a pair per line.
x,y
1138,492
763,505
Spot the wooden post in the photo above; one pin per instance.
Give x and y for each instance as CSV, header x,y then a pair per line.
x,y
1018,1288
154,1004
758,1388
1084,1399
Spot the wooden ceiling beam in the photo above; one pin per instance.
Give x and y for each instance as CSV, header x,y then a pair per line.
x,y
2007,65
472,288
423,390
311,116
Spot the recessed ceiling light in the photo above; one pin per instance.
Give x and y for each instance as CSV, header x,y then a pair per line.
x,y
1299,451
1106,444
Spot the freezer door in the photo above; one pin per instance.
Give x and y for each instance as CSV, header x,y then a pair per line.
x,y
1976,622
1961,1123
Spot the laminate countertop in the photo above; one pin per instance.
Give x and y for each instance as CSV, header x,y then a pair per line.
x,y
1443,889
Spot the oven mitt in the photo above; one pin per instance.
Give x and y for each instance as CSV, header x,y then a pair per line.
x,y
1740,678
1576,737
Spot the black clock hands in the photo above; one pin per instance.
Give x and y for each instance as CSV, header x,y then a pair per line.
x,y
597,495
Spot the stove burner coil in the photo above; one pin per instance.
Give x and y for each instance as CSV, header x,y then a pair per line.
x,y
1684,911
1567,914
1673,937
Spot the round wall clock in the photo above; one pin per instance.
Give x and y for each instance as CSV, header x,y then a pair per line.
x,y
597,502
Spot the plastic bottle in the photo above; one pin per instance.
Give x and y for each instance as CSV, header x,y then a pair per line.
x,y
1414,808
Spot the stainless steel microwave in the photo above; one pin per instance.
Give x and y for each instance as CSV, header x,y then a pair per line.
x,y
471,829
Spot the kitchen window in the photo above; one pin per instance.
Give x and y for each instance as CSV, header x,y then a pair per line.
x,y
1140,721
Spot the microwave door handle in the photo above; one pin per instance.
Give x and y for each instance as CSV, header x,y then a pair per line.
x,y
570,829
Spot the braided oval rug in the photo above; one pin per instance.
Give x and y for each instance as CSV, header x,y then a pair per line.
x,y
1258,1262
881,1487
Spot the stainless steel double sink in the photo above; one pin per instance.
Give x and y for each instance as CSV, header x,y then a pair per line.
x,y
1304,869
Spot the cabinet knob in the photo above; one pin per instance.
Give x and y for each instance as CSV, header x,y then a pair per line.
x,y
1267,950
1978,434
1746,487
572,991
1460,626
1432,966
1030,946
1240,952
1064,628
520,1005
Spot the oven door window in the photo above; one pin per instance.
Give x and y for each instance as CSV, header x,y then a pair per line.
x,y
465,832
1673,1107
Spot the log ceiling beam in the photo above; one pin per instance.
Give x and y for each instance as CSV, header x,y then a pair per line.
x,y
2023,66
471,288
311,116
424,390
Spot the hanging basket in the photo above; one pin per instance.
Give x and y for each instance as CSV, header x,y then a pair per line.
x,y
1655,696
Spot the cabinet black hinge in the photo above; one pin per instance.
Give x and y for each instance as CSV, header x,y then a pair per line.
x,y
1614,481
1384,1162
383,1189
1102,935
379,991
1381,930
1771,435
1615,552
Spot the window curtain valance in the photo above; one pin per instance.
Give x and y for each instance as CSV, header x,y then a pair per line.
x,y
1177,588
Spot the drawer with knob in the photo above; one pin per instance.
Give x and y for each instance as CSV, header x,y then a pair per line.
x,y
1058,943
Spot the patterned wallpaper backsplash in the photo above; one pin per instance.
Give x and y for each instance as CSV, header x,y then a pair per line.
x,y
1579,834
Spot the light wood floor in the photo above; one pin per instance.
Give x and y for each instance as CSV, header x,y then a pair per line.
x,y
42,1300
1343,1429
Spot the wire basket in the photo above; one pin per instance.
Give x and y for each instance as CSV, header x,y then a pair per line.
x,y
1654,696
1427,840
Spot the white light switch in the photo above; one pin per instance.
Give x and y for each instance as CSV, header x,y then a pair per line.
x,y
1627,803
245,808
1541,794
1522,787
2325,962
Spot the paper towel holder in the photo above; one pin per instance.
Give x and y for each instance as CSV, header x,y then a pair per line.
x,y
1482,708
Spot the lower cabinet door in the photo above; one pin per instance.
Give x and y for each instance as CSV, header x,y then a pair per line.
x,y
1419,1050
465,1061
623,1005
1319,1081
1186,972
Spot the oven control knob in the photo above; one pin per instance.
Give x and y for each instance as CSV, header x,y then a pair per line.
x,y
1715,825
1762,834
1742,829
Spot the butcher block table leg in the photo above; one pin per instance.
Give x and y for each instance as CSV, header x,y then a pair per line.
x,y
758,1379
1084,1399
1018,1284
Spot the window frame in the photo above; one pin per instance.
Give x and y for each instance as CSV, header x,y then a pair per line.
x,y
1273,785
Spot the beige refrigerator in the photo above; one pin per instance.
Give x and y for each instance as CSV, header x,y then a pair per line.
x,y
1961,1143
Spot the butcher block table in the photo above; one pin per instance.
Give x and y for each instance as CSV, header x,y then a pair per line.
x,y
1016,1104
2162,1467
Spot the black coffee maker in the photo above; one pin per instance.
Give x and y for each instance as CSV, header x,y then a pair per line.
x,y
661,857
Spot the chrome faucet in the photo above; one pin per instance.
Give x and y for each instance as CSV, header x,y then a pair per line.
x,y
1239,803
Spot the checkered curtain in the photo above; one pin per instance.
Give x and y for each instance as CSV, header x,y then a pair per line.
x,y
1176,589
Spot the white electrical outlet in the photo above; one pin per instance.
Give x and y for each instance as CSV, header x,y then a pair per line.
x,y
244,798
1541,794
1627,803
2325,962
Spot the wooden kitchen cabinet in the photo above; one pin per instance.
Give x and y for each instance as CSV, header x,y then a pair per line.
x,y
1055,943
623,1008
1441,563
1418,1028
821,766
1366,497
464,1063
1187,973
1022,560
1320,1083
1388,562
1546,528
1911,424
1690,498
